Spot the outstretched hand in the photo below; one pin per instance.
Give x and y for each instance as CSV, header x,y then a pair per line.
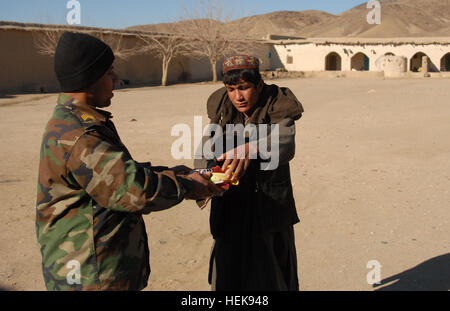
x,y
203,188
237,160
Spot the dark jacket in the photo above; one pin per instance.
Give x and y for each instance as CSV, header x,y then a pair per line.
x,y
271,190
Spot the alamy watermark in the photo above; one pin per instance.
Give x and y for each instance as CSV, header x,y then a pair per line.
x,y
374,275
212,141
374,16
74,15
74,275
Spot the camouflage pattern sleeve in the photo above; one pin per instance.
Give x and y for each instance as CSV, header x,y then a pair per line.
x,y
115,181
91,196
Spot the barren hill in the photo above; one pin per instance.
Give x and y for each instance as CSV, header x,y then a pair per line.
x,y
402,18
399,18
175,27
288,23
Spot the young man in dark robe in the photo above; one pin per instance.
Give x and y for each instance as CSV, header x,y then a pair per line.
x,y
252,223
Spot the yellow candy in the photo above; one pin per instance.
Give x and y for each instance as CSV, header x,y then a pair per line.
x,y
219,178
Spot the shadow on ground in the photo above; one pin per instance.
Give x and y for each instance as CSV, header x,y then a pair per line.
x,y
431,275
4,288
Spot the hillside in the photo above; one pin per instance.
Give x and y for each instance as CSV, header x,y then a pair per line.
x,y
399,18
288,23
402,18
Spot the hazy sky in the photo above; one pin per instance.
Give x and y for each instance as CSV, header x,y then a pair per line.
x,y
125,13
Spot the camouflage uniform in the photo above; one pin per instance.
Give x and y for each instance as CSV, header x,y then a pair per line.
x,y
90,200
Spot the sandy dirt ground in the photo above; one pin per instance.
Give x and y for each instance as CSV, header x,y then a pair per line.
x,y
371,180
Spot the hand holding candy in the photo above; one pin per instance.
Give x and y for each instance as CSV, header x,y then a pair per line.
x,y
219,177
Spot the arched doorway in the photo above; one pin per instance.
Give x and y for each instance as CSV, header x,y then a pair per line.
x,y
333,61
416,63
445,62
360,62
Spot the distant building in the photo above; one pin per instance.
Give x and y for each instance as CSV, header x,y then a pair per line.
x,y
23,69
359,54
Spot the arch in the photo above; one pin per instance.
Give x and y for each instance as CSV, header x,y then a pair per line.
x,y
389,54
415,63
445,62
360,62
333,61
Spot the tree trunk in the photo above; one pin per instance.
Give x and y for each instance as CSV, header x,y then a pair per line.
x,y
214,70
165,70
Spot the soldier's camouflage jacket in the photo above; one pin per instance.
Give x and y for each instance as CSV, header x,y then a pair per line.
x,y
90,199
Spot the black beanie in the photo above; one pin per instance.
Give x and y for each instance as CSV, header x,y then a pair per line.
x,y
80,60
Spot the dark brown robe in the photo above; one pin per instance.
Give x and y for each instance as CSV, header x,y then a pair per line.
x,y
252,223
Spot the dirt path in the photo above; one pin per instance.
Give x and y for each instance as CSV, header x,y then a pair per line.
x,y
371,180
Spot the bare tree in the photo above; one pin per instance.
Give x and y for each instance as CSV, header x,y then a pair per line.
x,y
46,41
210,35
165,47
117,45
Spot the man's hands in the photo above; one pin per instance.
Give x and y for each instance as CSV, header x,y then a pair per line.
x,y
204,188
201,187
238,160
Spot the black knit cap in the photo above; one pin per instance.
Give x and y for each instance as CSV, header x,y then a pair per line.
x,y
81,60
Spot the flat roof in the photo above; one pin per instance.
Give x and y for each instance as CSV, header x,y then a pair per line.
x,y
284,40
367,41
5,25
